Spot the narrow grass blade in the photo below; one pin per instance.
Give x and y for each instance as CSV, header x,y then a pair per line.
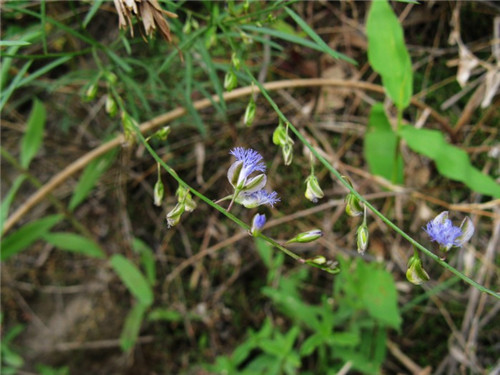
x,y
9,197
25,236
32,139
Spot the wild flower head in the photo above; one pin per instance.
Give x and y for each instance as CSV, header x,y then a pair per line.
x,y
248,186
441,230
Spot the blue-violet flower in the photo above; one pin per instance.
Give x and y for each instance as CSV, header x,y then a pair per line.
x,y
257,198
258,222
247,162
442,231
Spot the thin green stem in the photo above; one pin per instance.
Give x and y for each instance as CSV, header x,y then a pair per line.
x,y
207,200
373,209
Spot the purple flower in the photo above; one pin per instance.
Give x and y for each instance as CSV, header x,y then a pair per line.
x,y
258,222
247,162
442,231
260,197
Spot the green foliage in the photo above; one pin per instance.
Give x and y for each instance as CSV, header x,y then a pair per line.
x,y
451,161
32,139
133,279
74,243
351,325
27,235
11,360
387,52
380,147
132,326
89,178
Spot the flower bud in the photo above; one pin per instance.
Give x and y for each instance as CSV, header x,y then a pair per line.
x,y
319,261
416,273
235,60
111,108
313,190
230,81
258,223
280,136
163,133
175,214
110,77
91,92
308,236
249,113
353,205
128,127
287,150
362,238
158,192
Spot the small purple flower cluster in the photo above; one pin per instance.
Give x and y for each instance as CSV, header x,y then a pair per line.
x,y
442,231
249,191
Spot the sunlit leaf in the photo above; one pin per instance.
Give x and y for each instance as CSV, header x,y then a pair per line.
x,y
74,243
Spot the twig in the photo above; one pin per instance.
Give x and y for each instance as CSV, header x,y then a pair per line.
x,y
154,123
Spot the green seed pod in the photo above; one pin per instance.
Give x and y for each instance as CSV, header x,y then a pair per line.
x,y
362,236
313,190
111,107
304,237
158,192
353,205
91,92
287,150
249,113
416,273
230,81
174,216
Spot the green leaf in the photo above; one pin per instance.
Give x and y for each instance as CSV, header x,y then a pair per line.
x,y
132,326
297,40
312,34
379,296
311,343
9,197
451,162
380,147
96,4
165,314
26,235
75,243
89,178
11,43
147,259
387,52
133,279
32,139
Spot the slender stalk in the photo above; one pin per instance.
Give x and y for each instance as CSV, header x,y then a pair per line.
x,y
373,209
208,201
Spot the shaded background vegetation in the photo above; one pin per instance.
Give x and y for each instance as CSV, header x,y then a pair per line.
x,y
212,282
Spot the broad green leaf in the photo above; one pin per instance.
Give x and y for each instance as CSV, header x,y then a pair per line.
x,y
25,236
312,34
380,147
32,139
147,259
379,296
7,200
132,326
451,162
74,243
387,52
133,279
89,178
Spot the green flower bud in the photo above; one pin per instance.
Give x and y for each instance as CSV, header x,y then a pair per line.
x,y
91,92
287,150
309,236
319,261
128,127
235,61
158,192
353,205
110,77
249,113
230,81
416,273
280,136
174,216
362,235
111,107
313,190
